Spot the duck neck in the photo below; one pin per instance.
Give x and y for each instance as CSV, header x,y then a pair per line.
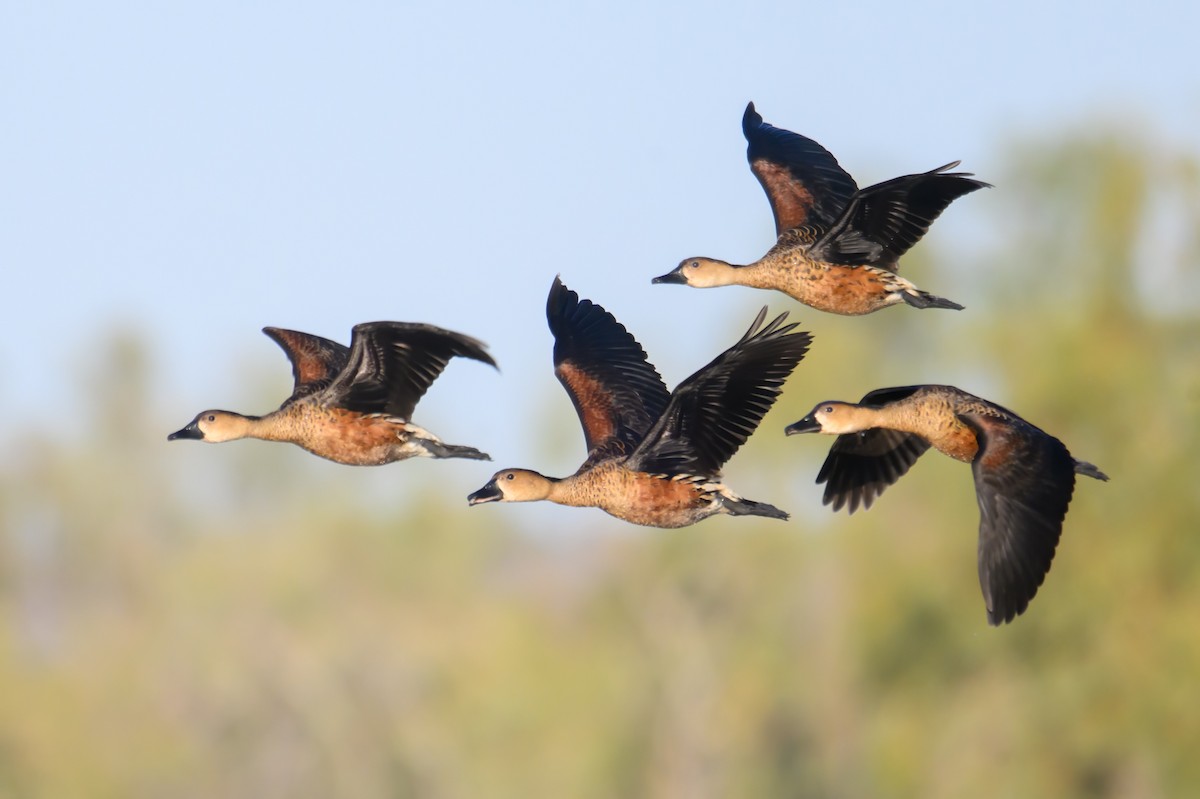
x,y
267,428
851,419
760,274
595,486
939,425
563,491
727,274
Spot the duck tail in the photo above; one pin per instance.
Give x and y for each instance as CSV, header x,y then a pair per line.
x,y
923,299
438,449
748,507
1083,467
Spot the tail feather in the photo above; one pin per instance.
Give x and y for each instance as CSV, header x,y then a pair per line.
x,y
748,507
923,299
1083,467
438,449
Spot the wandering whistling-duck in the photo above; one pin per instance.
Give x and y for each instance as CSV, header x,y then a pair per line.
x,y
838,246
654,457
353,405
1024,477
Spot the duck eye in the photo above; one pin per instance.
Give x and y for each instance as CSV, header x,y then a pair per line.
x,y
694,264
212,418
509,476
828,409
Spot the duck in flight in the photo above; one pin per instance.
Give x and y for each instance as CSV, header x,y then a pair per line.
x,y
1024,477
838,247
654,457
353,405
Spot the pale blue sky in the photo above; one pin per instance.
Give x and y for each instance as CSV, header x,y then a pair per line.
x,y
197,172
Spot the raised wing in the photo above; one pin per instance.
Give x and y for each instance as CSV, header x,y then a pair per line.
x,y
392,365
1024,479
881,222
615,390
713,412
802,179
315,361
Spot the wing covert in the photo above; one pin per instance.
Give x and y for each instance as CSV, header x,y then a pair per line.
x,y
315,361
803,181
617,393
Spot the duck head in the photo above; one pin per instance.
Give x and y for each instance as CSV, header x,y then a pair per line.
x,y
701,273
214,427
831,418
513,485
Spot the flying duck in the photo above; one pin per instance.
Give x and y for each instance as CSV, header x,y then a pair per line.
x,y
838,246
353,405
1024,477
654,457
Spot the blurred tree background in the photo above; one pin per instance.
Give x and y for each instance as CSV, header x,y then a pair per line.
x,y
185,621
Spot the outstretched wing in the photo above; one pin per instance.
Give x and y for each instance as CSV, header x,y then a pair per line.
x,y
1024,479
713,412
883,221
615,390
392,364
802,179
315,361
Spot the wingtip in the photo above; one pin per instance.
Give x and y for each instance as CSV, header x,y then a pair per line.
x,y
751,119
773,329
1000,618
966,177
559,300
479,353
559,289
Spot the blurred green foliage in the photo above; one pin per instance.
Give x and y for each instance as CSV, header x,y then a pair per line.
x,y
247,622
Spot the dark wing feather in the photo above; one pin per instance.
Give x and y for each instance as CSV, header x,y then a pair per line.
x,y
861,465
1024,479
802,179
713,412
616,392
883,221
315,361
392,365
